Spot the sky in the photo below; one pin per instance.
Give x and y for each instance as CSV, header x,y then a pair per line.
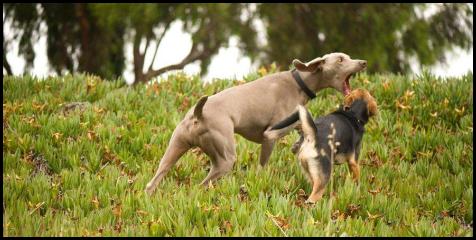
x,y
228,63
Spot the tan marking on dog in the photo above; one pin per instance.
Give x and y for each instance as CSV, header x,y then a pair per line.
x,y
364,95
341,158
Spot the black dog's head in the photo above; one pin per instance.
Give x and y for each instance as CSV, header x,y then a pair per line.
x,y
361,103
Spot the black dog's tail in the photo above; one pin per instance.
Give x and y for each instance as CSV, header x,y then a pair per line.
x,y
308,126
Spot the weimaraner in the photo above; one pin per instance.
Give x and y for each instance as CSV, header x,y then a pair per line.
x,y
250,110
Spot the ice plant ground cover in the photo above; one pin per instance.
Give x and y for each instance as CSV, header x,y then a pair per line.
x,y
81,171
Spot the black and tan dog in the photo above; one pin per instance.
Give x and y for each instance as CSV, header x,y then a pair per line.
x,y
313,148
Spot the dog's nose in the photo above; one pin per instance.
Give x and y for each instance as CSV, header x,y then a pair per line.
x,y
363,63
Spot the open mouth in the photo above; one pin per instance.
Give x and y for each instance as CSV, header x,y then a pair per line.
x,y
346,89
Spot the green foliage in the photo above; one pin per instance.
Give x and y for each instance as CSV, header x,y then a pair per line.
x,y
83,172
94,35
388,36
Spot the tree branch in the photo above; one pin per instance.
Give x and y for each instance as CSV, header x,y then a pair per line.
x,y
147,41
191,57
136,54
159,40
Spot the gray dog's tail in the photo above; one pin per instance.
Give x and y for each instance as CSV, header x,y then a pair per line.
x,y
197,112
294,117
283,127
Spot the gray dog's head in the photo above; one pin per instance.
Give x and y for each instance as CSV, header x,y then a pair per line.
x,y
335,68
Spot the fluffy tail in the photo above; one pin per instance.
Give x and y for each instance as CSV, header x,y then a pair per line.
x,y
308,126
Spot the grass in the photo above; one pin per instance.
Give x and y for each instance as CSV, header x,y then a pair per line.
x,y
82,173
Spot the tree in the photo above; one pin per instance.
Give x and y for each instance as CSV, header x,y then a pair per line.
x,y
387,35
91,37
210,26
73,38
6,65
94,34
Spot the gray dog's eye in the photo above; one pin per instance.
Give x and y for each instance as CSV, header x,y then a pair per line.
x,y
341,59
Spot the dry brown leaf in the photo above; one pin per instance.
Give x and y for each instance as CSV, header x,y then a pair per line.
x,y
99,110
460,111
38,107
446,101
117,210
91,135
57,135
372,217
185,104
351,208
130,180
375,191
141,212
408,94
445,213
401,105
226,226
337,215
301,198
371,178
95,202
118,226
280,221
243,193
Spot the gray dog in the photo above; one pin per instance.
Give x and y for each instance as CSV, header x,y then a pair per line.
x,y
250,110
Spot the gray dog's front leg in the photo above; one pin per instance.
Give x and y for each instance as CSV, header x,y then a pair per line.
x,y
266,150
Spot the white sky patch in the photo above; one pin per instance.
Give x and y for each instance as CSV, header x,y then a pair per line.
x,y
17,63
40,64
227,64
459,63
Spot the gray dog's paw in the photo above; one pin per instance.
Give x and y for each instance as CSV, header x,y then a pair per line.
x,y
148,190
310,202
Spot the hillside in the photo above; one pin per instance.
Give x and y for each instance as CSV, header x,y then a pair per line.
x,y
83,171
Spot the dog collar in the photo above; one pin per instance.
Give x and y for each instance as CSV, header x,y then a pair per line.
x,y
358,123
301,84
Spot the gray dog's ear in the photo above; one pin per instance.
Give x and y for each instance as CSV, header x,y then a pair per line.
x,y
299,65
312,66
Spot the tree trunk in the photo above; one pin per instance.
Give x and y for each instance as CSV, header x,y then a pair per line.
x,y
86,61
6,65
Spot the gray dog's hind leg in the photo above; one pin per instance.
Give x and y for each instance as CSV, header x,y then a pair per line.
x,y
220,147
174,151
266,150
